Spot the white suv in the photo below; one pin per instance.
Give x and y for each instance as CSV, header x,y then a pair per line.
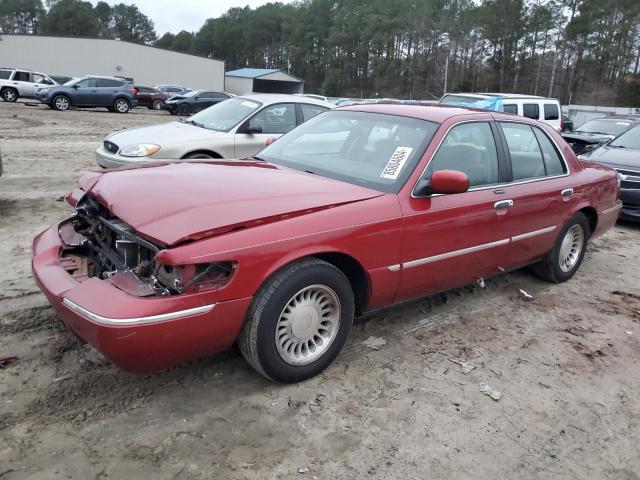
x,y
544,109
15,83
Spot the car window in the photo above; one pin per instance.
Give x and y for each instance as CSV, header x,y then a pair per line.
x,y
510,108
371,149
39,78
209,95
551,111
469,148
454,99
21,77
174,90
310,111
87,83
526,157
552,161
607,127
629,139
5,74
109,83
276,119
144,89
531,110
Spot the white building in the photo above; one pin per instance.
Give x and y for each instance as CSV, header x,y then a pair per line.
x,y
74,57
263,80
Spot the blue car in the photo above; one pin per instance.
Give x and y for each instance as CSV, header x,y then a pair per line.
x,y
115,94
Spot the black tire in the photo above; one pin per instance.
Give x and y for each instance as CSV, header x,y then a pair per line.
x,y
156,105
121,105
200,156
184,110
550,268
257,340
62,103
9,94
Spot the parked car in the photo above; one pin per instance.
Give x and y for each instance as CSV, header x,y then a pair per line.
x,y
115,94
61,79
150,97
567,124
236,128
16,83
595,132
546,110
194,101
172,90
359,208
623,154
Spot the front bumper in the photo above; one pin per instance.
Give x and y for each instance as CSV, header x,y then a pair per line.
x,y
630,204
137,334
170,107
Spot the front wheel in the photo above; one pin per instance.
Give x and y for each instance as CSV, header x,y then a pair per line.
x,y
61,103
564,259
156,105
121,105
184,110
298,322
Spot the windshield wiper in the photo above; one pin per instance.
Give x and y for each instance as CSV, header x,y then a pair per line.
x,y
194,123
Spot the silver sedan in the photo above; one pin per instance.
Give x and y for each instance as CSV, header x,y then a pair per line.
x,y
235,128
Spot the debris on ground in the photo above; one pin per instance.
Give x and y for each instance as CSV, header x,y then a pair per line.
x,y
487,390
93,356
62,378
375,343
467,367
527,296
303,470
393,365
5,361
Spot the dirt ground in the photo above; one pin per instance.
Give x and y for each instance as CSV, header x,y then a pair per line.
x,y
567,365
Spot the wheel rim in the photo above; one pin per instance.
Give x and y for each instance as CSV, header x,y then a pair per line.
x,y
156,105
571,247
308,325
62,103
10,95
122,106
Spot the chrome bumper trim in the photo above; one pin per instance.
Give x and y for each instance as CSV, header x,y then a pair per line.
x,y
542,231
455,253
135,321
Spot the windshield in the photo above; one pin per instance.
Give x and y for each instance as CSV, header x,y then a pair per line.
x,y
608,127
370,149
629,139
225,115
449,99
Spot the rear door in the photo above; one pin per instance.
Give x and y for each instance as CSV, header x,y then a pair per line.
x,y
450,240
144,96
22,80
274,121
106,92
538,197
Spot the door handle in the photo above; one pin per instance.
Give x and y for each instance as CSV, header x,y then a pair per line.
x,y
503,204
567,192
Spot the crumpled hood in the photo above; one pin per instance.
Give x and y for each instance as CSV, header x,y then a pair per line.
x,y
175,202
623,157
586,137
165,134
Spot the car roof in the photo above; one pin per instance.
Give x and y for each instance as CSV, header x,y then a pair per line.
x,y
437,113
104,76
269,98
512,96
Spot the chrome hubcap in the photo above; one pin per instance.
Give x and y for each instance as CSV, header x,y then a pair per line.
x,y
308,324
9,95
571,247
62,103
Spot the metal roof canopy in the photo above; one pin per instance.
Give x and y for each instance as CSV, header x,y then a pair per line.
x,y
264,80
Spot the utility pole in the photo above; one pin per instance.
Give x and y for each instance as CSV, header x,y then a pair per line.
x,y
446,73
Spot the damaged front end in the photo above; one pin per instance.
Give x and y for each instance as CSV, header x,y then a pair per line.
x,y
98,244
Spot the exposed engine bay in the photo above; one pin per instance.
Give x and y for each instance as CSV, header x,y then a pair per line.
x,y
98,244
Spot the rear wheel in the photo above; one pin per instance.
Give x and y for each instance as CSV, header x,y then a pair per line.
x,y
564,259
201,156
298,322
9,94
184,110
61,103
156,105
121,105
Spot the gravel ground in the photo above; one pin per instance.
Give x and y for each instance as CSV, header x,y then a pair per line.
x,y
394,406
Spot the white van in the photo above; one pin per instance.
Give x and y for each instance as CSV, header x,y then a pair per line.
x,y
545,109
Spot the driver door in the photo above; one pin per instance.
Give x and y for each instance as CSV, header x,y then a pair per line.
x,y
451,240
272,122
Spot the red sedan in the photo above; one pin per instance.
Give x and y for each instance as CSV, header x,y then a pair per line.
x,y
357,209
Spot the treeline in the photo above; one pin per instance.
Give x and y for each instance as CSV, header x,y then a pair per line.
x,y
582,51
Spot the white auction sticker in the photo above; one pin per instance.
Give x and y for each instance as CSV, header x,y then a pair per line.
x,y
396,162
249,104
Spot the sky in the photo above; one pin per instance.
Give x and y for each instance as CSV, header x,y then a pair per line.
x,y
190,15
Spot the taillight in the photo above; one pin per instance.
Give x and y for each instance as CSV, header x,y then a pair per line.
x,y
133,91
561,124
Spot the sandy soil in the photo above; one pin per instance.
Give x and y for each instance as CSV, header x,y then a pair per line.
x,y
566,364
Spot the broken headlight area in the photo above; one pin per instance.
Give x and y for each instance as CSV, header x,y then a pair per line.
x,y
98,244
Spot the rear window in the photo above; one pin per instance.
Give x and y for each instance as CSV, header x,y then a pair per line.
x,y
551,111
21,77
531,110
5,74
509,108
107,82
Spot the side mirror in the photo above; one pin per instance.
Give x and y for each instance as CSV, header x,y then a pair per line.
x,y
448,181
75,86
270,140
250,129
